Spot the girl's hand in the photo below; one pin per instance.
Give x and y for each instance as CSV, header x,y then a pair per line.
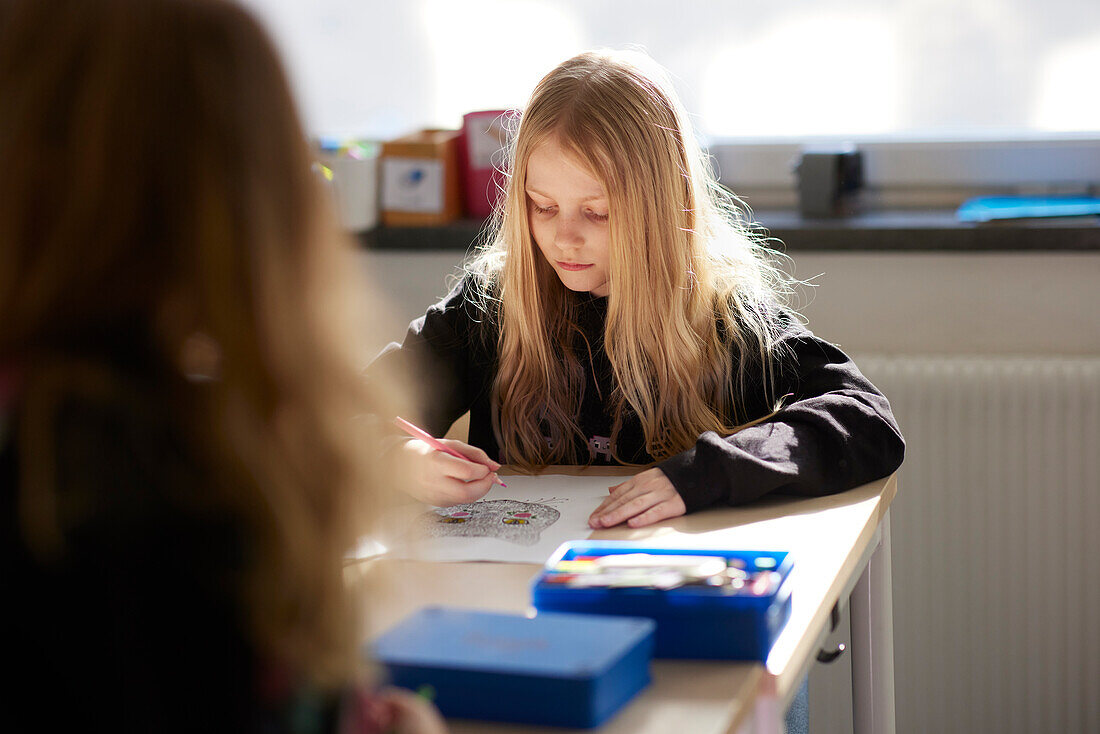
x,y
643,499
444,480
401,712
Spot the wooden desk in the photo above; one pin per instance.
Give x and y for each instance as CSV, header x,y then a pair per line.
x,y
833,539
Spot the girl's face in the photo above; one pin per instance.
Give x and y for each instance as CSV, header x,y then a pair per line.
x,y
568,210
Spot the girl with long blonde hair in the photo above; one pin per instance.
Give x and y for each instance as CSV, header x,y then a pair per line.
x,y
182,459
624,311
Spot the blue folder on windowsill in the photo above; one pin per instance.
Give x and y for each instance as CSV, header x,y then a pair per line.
x,y
989,208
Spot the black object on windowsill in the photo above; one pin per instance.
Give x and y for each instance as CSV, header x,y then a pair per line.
x,y
829,182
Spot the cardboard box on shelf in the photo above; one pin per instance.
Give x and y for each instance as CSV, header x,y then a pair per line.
x,y
421,181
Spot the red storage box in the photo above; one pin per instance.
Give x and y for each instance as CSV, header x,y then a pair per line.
x,y
484,137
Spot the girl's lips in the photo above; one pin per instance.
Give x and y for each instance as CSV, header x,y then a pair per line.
x,y
573,266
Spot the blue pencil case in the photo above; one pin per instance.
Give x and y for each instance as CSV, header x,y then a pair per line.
x,y
708,604
552,669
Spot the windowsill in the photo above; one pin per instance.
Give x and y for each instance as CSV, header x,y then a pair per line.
x,y
884,231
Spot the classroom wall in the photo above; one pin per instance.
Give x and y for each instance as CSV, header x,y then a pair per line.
x,y
408,283
955,303
877,303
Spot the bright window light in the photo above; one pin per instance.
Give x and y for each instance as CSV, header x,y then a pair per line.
x,y
798,79
479,59
1067,97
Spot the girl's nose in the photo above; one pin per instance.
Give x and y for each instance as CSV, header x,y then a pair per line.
x,y
568,234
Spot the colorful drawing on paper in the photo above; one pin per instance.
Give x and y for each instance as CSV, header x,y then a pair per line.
x,y
510,520
522,523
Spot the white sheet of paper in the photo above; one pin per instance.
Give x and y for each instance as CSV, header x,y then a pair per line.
x,y
521,523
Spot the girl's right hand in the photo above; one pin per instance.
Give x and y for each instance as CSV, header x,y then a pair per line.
x,y
443,480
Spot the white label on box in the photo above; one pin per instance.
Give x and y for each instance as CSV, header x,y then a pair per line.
x,y
486,137
412,185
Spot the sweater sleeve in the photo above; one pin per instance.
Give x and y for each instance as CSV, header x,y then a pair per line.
x,y
837,433
439,359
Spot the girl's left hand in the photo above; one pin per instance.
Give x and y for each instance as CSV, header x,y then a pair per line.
x,y
643,499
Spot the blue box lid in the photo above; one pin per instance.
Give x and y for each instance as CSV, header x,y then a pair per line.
x,y
550,645
738,619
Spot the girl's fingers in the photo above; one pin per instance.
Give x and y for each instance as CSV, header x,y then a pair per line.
x,y
459,492
471,452
661,511
473,491
616,501
594,518
437,478
636,497
626,508
457,468
612,500
609,503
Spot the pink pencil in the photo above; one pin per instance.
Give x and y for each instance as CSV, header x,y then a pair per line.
x,y
435,443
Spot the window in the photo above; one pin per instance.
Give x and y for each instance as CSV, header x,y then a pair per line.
x,y
926,84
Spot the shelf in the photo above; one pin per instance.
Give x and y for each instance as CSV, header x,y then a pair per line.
x,y
894,231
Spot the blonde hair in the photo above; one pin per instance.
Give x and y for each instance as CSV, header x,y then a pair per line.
x,y
157,180
693,299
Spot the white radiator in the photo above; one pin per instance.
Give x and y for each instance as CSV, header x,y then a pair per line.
x,y
996,543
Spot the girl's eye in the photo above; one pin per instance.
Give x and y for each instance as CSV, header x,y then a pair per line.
x,y
597,217
542,209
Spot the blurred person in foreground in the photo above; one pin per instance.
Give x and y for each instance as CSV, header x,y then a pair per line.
x,y
181,466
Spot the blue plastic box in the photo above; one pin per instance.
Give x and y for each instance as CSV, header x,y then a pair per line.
x,y
693,621
552,669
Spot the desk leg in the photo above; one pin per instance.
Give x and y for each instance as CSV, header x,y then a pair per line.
x,y
873,643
